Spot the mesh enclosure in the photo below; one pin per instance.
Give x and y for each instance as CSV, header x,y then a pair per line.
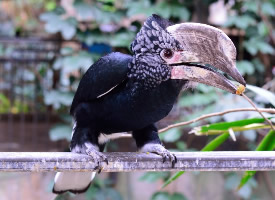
x,y
25,74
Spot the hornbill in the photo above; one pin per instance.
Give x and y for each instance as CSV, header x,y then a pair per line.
x,y
123,93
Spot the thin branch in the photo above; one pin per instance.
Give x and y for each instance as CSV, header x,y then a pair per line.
x,y
270,110
234,129
251,102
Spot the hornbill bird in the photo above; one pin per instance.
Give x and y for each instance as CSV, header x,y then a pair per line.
x,y
123,93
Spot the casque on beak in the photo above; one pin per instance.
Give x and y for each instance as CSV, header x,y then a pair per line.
x,y
204,46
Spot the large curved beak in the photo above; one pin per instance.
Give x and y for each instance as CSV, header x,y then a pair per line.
x,y
206,50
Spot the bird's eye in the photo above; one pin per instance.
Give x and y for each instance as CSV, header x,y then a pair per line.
x,y
167,53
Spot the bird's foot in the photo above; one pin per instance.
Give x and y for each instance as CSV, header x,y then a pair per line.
x,y
91,150
160,150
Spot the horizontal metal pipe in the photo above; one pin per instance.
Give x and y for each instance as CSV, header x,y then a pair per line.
x,y
127,162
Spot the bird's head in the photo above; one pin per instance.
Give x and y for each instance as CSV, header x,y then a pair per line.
x,y
189,51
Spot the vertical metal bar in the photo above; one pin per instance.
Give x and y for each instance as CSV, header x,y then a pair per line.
x,y
1,104
1,89
34,116
22,100
11,99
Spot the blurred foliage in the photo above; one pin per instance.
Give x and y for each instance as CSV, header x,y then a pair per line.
x,y
168,196
102,190
154,176
16,107
267,144
92,29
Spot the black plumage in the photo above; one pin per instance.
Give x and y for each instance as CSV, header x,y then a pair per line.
x,y
123,93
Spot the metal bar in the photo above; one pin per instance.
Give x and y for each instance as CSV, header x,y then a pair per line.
x,y
30,60
126,161
4,39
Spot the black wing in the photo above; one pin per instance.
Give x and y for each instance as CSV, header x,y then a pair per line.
x,y
102,76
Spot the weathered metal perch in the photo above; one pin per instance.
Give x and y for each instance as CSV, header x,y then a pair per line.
x,y
126,162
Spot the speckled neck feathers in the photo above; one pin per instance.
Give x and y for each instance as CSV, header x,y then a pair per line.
x,y
147,68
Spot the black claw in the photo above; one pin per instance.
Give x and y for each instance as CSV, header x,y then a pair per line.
x,y
106,161
96,168
163,159
176,159
99,170
173,163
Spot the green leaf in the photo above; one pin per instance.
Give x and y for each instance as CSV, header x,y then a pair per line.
x,y
5,104
60,132
245,178
109,193
258,65
262,29
251,6
50,5
58,63
224,126
211,146
82,60
161,196
242,22
178,196
245,67
246,191
255,44
267,144
85,11
181,145
251,46
154,176
55,23
139,7
58,98
102,192
180,12
173,178
268,8
171,135
163,9
123,39
269,96
265,48
68,28
171,9
66,51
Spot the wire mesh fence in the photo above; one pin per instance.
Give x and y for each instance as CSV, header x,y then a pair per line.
x,y
25,73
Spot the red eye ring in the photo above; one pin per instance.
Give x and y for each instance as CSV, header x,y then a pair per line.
x,y
167,53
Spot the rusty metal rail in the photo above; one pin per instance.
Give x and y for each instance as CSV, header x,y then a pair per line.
x,y
126,162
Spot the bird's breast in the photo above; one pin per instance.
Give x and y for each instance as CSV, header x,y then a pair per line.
x,y
127,111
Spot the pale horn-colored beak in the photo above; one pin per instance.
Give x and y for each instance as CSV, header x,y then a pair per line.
x,y
204,45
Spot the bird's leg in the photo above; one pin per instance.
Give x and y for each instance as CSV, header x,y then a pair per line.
x,y
147,140
85,141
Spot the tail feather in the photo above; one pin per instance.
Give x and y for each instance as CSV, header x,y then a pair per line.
x,y
75,182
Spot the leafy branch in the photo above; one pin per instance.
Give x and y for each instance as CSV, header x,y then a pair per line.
x,y
267,110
